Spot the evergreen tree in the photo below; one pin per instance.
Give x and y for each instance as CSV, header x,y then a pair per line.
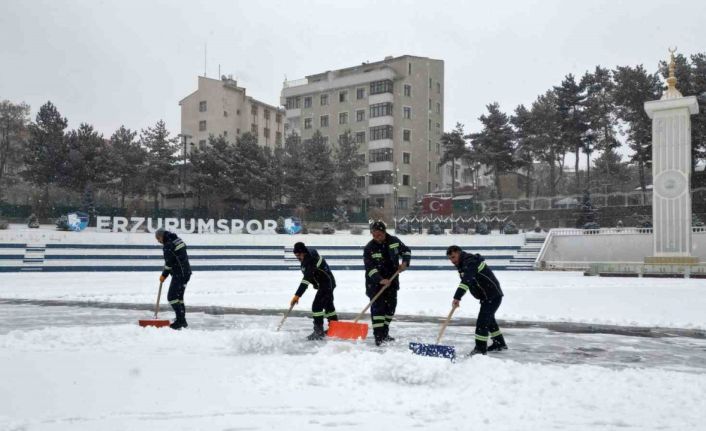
x,y
320,181
295,168
571,98
213,173
14,119
453,148
127,162
160,169
633,87
274,175
522,123
543,131
87,163
45,155
493,146
348,163
612,172
251,168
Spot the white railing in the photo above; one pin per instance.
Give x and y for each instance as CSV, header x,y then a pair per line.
x,y
296,83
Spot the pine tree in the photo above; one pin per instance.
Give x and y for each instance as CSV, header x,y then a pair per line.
x,y
127,162
320,181
14,119
295,169
633,87
348,163
544,135
251,168
522,123
87,163
160,170
571,98
494,145
453,148
45,155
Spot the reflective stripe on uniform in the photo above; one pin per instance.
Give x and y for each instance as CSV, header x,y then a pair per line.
x,y
318,264
481,337
372,272
167,267
407,253
481,266
496,333
378,325
377,255
331,314
180,246
174,301
389,317
464,287
305,282
395,245
378,317
317,314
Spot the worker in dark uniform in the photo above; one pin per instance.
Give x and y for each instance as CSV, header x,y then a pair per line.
x,y
478,278
318,275
176,264
382,259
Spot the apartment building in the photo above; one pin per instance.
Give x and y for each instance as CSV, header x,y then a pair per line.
x,y
394,108
219,107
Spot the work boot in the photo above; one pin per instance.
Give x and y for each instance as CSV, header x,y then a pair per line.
x,y
318,334
480,349
498,344
178,324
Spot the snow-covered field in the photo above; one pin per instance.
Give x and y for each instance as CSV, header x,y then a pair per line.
x,y
88,368
529,296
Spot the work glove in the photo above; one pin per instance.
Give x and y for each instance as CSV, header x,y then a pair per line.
x,y
294,301
162,278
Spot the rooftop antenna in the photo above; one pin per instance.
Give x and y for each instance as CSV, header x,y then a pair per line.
x,y
205,54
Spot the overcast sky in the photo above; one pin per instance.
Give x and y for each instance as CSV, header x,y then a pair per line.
x,y
109,63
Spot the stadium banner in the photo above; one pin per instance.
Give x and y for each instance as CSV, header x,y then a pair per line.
x,y
180,225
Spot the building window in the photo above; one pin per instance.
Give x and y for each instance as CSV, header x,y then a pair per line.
x,y
405,180
438,87
307,123
380,132
429,105
253,129
278,118
437,169
407,135
360,115
267,114
430,126
438,125
323,100
407,111
429,187
307,102
438,148
429,167
225,113
409,68
360,93
342,96
343,118
324,139
408,90
202,106
380,202
429,82
266,132
403,203
360,182
202,126
361,158
323,121
380,155
379,87
381,177
237,112
253,110
202,144
278,138
430,145
380,110
360,137
438,108
293,102
405,158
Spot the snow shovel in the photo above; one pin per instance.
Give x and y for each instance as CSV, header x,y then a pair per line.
x,y
436,350
354,330
158,323
284,317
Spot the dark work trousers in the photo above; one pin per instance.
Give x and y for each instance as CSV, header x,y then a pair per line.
x,y
323,307
486,323
383,310
176,297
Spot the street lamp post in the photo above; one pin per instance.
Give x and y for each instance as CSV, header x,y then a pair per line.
x,y
182,186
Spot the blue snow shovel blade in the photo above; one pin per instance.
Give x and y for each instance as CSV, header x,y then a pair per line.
x,y
436,350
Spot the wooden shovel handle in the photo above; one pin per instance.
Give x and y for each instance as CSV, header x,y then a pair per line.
x,y
377,295
159,295
446,323
285,317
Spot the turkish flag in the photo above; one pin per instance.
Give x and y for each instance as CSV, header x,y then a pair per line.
x,y
437,206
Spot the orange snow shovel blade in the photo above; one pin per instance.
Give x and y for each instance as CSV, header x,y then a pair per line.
x,y
348,330
157,323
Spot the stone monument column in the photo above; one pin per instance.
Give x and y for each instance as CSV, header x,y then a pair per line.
x,y
671,174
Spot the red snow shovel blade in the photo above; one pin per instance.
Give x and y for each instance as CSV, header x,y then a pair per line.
x,y
347,330
157,323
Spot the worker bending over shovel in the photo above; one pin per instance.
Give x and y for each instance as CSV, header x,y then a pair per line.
x,y
382,260
318,275
478,278
176,264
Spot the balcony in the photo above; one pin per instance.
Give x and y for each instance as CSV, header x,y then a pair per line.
x,y
292,113
381,98
381,143
297,88
380,189
387,120
380,166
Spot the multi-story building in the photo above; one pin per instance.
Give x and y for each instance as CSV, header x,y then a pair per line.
x,y
220,107
394,108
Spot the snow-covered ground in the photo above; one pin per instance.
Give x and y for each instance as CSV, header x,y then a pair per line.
x,y
94,369
529,296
